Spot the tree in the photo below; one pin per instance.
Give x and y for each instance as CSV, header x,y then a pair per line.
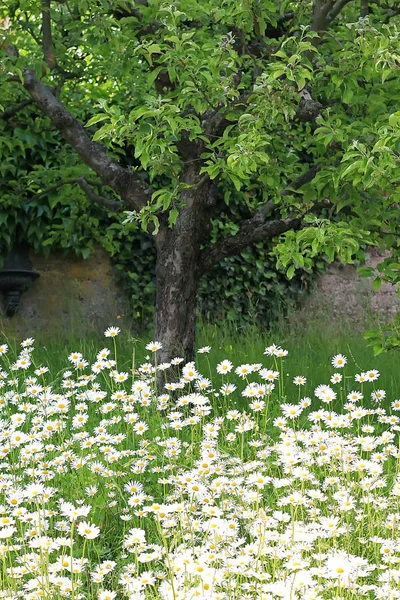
x,y
185,109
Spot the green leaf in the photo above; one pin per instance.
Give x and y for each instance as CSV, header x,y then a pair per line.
x,y
366,271
154,49
172,216
371,334
236,181
103,132
377,284
276,74
378,349
97,119
290,272
152,76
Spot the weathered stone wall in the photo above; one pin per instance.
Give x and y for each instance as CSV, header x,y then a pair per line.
x,y
76,298
341,295
72,297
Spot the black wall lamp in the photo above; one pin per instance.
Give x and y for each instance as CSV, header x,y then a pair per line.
x,y
16,277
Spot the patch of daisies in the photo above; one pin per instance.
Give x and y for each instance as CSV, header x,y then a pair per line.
x,y
112,486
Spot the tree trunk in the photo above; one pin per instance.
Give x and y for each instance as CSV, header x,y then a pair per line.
x,y
177,279
178,271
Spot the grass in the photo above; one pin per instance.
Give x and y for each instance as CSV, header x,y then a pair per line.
x,y
262,486
310,348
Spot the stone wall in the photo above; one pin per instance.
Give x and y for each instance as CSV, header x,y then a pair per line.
x,y
72,297
77,298
342,296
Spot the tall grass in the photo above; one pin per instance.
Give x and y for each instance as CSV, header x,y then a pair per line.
x,y
310,346
112,488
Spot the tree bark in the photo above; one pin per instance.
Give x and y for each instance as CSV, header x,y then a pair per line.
x,y
177,281
178,271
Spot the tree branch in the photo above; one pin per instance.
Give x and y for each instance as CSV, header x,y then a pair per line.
x,y
10,50
337,8
214,121
47,39
364,9
108,203
251,231
87,187
257,228
10,112
329,34
308,109
320,13
301,180
390,13
53,188
134,191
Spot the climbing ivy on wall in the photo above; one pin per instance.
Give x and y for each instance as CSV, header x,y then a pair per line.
x,y
37,206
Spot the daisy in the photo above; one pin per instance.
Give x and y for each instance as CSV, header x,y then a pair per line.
x,y
34,490
112,331
354,396
372,375
119,377
336,378
269,375
305,402
243,370
281,353
322,391
103,354
227,389
378,395
339,566
140,427
163,366
361,377
224,367
74,357
7,532
271,350
41,370
189,372
233,415
203,383
280,422
339,361
257,405
291,410
68,509
299,380
177,361
154,346
88,530
204,350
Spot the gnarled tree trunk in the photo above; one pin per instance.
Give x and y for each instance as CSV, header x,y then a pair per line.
x,y
177,276
178,271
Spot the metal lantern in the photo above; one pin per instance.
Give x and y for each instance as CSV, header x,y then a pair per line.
x,y
16,277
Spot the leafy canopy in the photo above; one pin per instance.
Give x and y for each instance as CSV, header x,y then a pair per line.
x,y
252,93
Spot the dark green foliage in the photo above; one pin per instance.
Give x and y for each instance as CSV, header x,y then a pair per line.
x,y
277,121
36,208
